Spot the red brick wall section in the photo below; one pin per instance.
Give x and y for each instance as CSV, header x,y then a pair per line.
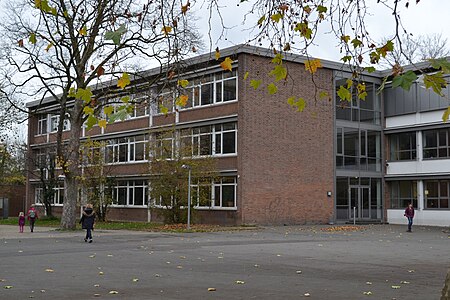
x,y
285,158
209,112
16,198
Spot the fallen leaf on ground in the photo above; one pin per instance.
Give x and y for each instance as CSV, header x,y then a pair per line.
x,y
97,295
404,282
42,291
113,292
298,272
91,256
49,270
368,283
110,255
395,287
96,285
211,289
411,271
157,275
307,294
135,279
367,293
101,273
8,287
179,267
256,266
240,282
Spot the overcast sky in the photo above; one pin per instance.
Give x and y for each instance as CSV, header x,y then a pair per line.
x,y
426,17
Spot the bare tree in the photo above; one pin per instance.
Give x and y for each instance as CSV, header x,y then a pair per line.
x,y
61,50
433,46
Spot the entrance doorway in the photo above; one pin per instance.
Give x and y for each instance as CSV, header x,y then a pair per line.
x,y
359,202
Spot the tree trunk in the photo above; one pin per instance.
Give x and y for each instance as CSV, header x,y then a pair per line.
x,y
71,169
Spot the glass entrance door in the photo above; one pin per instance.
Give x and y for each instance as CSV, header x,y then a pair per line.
x,y
359,202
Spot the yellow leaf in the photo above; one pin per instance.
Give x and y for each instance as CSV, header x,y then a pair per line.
x,y
83,31
88,110
183,83
108,110
102,123
123,81
446,114
246,75
272,88
182,100
48,47
349,83
211,289
49,270
217,53
226,64
166,30
313,65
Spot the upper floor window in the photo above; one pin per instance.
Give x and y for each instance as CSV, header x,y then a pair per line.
x,y
437,194
217,139
358,149
366,110
436,143
403,146
42,124
204,90
54,122
126,149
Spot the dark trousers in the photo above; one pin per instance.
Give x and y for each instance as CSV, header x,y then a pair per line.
x,y
32,224
88,234
410,222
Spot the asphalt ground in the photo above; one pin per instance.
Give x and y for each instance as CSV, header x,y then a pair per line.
x,y
376,262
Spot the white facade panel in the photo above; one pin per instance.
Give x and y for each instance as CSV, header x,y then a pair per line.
x,y
411,120
421,217
425,167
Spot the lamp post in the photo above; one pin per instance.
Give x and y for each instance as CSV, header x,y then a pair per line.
x,y
188,167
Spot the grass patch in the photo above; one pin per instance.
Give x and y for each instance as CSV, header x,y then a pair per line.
x,y
136,226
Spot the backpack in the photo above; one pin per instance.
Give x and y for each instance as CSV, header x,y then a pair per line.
x,y
32,214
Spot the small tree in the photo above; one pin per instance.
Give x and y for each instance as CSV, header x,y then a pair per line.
x,y
96,180
169,181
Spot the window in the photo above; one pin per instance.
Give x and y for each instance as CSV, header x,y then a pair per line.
x,y
358,110
221,193
358,149
212,89
54,122
42,124
403,146
436,194
164,145
58,195
141,107
403,193
220,139
130,193
436,143
126,149
45,158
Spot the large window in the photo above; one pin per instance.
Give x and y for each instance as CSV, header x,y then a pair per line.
x,y
436,194
57,199
436,143
402,193
359,110
358,149
130,193
126,149
164,145
42,124
220,139
221,193
403,146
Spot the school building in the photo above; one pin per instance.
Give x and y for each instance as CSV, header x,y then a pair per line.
x,y
334,162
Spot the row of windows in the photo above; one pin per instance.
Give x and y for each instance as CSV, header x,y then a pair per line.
x,y
436,194
211,140
48,123
218,193
436,144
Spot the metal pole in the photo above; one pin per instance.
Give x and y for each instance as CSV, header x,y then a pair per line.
x,y
354,215
189,201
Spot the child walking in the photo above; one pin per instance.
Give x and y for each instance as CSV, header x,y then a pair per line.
x,y
21,221
87,222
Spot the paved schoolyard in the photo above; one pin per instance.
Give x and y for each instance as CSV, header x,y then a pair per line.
x,y
378,262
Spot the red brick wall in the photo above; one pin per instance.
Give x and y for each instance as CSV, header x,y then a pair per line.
x,y
285,158
16,198
209,112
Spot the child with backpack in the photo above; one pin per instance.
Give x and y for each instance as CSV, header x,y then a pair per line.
x,y
32,217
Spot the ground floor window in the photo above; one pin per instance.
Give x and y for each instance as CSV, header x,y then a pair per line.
x,y
402,193
359,198
218,193
56,198
436,194
130,193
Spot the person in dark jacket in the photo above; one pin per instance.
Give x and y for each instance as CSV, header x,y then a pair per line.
x,y
409,213
32,216
87,222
